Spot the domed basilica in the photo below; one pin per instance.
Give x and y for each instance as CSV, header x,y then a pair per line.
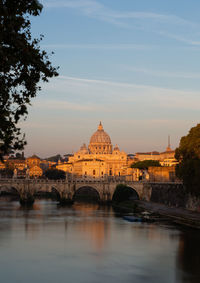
x,y
98,159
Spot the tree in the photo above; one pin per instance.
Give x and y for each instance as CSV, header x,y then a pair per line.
x,y
6,173
55,174
188,155
54,158
22,66
145,164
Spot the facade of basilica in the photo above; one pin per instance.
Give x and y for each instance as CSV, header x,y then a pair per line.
x,y
97,160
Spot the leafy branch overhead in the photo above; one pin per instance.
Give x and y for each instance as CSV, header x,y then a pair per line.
x,y
22,66
188,155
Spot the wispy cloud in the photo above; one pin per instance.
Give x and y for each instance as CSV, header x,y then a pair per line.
x,y
88,5
163,18
105,96
168,25
53,104
122,84
116,46
90,8
181,38
93,8
38,125
136,116
165,74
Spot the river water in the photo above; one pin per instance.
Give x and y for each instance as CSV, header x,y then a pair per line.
x,y
87,243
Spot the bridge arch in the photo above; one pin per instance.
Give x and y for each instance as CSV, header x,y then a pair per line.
x,y
13,190
40,190
124,192
86,193
4,189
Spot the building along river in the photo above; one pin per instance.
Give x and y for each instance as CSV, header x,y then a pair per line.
x,y
88,243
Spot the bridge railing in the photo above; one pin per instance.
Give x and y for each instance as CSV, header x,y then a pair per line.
x,y
109,179
69,180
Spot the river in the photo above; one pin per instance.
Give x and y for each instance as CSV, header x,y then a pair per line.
x,y
88,243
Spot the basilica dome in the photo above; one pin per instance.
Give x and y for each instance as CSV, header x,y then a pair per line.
x,y
100,136
100,142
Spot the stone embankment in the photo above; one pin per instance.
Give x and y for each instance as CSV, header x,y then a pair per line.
x,y
172,195
177,215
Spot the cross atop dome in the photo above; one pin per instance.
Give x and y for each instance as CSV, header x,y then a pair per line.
x,y
100,127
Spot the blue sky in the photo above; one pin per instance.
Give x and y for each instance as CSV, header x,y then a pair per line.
x,y
133,64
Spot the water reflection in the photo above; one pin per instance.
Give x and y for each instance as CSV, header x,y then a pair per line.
x,y
96,232
88,243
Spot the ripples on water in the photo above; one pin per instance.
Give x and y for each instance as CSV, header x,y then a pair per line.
x,y
87,243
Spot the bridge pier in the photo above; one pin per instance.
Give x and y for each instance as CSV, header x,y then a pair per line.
x,y
26,199
26,193
65,198
105,198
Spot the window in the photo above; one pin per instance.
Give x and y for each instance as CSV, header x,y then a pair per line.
x,y
102,173
85,173
110,172
94,172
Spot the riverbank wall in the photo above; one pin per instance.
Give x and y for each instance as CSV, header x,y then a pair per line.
x,y
172,195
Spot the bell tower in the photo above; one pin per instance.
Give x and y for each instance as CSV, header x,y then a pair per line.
x,y
168,148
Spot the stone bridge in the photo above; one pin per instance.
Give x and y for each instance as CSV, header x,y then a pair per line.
x,y
66,189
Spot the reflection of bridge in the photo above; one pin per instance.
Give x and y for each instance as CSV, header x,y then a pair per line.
x,y
66,189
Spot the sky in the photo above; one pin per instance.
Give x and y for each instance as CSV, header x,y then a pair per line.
x,y
132,64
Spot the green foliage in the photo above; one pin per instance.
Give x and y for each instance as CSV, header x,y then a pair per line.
x,y
6,173
188,155
22,66
54,174
189,146
145,164
123,193
19,155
